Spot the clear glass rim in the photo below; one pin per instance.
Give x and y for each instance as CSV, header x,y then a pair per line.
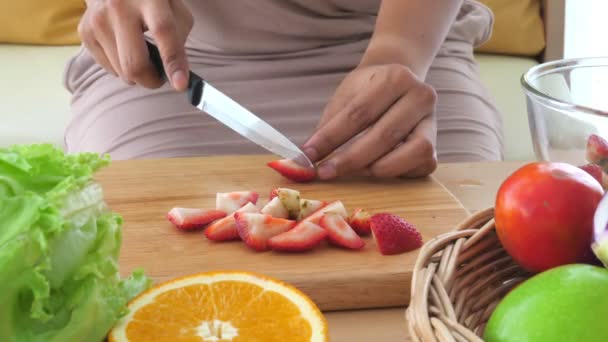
x,y
548,67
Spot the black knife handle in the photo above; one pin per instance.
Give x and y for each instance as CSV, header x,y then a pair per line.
x,y
157,61
195,82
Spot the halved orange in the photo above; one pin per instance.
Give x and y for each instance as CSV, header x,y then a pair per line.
x,y
221,306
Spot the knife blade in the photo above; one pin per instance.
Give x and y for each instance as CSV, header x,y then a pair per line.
x,y
210,100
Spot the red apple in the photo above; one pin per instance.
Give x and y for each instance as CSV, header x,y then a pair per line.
x,y
544,215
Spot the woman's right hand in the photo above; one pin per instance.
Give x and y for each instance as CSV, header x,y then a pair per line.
x,y
112,31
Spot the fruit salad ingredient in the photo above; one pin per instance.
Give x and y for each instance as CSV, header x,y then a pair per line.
x,y
394,235
303,237
228,306
293,171
595,171
359,220
256,229
307,207
336,207
273,193
193,218
275,208
544,215
230,202
288,223
59,248
291,201
597,151
225,229
566,303
339,232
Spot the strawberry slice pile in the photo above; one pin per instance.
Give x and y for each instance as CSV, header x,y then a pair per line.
x,y
289,223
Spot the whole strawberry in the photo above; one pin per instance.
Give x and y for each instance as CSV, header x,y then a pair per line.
x,y
394,235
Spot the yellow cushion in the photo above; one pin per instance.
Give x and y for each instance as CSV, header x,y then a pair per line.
x,y
518,28
45,22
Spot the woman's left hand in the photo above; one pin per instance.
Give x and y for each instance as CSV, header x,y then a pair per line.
x,y
393,110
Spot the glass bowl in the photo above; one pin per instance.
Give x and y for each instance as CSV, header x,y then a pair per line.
x,y
567,102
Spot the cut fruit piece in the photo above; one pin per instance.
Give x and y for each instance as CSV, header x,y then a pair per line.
x,y
221,306
274,193
193,218
275,208
597,151
359,220
256,229
339,232
308,207
303,237
225,228
336,207
232,201
291,201
594,170
394,235
293,171
249,208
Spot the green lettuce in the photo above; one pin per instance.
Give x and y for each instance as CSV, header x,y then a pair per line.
x,y
59,247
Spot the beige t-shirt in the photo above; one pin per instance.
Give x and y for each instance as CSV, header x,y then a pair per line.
x,y
279,26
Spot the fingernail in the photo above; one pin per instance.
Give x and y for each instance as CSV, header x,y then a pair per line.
x,y
327,170
311,153
178,79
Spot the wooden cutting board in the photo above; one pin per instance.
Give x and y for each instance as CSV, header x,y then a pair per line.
x,y
143,191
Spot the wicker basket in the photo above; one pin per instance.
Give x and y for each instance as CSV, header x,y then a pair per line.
x,y
458,280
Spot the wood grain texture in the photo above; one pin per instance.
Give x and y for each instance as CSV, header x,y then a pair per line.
x,y
336,279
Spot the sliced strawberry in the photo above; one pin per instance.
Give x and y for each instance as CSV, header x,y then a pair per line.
x,y
307,207
359,220
193,218
222,230
595,171
275,208
225,228
394,235
249,208
291,201
597,150
293,171
336,207
339,232
303,237
232,201
256,229
274,193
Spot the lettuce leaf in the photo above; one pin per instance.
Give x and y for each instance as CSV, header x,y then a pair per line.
x,y
59,248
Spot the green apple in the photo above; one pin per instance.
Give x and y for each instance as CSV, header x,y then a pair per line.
x,y
566,303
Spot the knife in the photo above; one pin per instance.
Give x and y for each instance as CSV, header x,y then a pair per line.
x,y
208,99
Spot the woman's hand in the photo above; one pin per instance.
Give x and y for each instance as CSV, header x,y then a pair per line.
x,y
112,30
393,111
384,102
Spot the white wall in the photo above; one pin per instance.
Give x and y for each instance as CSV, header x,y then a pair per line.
x,y
586,28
